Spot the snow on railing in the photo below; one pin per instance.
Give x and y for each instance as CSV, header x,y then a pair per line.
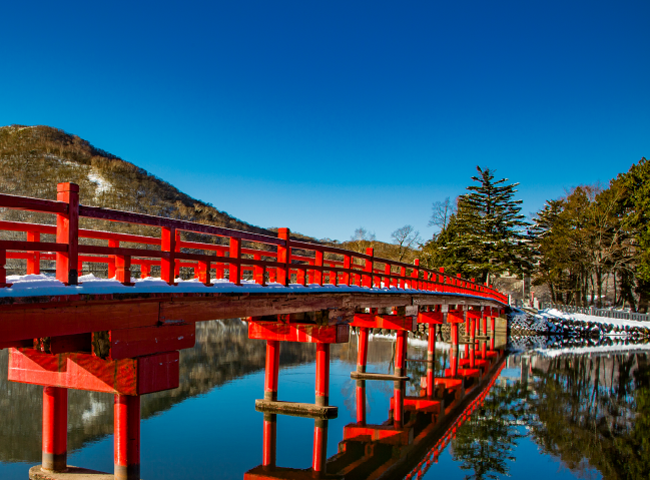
x,y
264,258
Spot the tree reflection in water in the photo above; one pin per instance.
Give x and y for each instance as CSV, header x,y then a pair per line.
x,y
589,412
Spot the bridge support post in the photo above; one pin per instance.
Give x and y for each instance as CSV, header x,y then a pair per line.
x,y
431,358
126,434
272,370
484,331
319,464
362,350
400,352
453,356
55,429
322,374
269,440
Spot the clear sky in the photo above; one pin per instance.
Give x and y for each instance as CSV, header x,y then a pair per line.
x,y
332,115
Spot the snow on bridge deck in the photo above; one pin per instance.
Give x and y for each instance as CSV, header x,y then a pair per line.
x,y
43,286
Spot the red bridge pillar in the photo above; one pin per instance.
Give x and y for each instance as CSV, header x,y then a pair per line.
x,y
400,352
55,429
272,370
126,432
362,350
322,374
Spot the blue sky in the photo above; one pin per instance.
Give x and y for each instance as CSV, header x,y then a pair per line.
x,y
328,116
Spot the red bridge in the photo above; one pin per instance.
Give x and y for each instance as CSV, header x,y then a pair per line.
x,y
122,334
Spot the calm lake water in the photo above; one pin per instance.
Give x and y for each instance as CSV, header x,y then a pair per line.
x,y
565,416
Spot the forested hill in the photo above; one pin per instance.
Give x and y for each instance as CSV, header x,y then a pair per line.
x,y
34,159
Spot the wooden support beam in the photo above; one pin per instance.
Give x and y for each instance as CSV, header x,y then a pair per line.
x,y
388,322
298,332
83,371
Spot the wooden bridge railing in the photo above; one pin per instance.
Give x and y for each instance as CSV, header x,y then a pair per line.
x,y
238,257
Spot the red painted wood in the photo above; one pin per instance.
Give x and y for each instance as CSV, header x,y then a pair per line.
x,y
435,318
137,342
83,371
32,204
269,440
235,269
319,457
322,373
126,433
388,322
385,434
298,332
55,429
67,233
361,403
354,269
318,273
272,370
362,350
72,318
34,260
167,261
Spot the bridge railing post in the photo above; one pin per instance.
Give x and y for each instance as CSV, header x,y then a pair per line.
x,y
234,268
258,271
347,265
34,260
177,249
318,271
369,265
284,257
67,232
168,246
415,274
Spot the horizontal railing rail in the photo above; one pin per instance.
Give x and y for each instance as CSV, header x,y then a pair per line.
x,y
237,256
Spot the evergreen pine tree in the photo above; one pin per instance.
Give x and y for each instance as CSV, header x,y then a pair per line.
x,y
491,236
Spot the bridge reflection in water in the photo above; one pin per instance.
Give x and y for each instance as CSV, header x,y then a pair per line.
x,y
417,427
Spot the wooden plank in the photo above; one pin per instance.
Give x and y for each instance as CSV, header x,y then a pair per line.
x,y
82,371
299,332
32,204
377,376
296,409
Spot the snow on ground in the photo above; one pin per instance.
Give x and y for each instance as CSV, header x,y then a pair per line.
x,y
602,349
550,313
102,184
42,285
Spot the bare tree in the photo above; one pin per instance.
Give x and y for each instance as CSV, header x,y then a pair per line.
x,y
405,238
362,239
442,212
